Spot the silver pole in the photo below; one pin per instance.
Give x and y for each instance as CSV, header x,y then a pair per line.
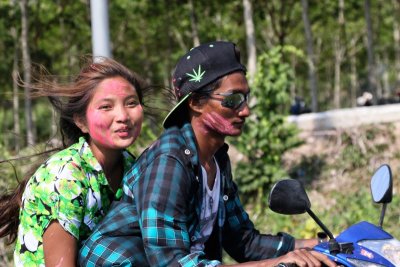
x,y
100,28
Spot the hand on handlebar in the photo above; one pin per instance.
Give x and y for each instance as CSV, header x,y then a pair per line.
x,y
305,258
282,264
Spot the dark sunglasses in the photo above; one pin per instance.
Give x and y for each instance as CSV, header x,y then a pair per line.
x,y
232,100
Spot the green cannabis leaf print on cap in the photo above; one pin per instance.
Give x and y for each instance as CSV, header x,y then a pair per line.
x,y
196,76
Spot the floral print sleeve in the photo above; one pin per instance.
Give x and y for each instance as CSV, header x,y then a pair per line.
x,y
71,188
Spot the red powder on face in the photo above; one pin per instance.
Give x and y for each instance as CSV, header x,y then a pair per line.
x,y
215,122
113,120
99,128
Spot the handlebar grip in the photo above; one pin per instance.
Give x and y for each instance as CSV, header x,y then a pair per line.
x,y
282,264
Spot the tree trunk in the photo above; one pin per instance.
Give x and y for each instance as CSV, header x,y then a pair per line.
x,y
310,56
370,51
193,23
353,71
280,19
250,40
396,37
379,75
218,24
17,129
339,52
26,60
293,89
385,76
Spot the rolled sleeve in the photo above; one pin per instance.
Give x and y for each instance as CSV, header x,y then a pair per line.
x,y
57,196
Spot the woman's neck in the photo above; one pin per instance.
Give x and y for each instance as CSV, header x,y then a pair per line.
x,y
112,163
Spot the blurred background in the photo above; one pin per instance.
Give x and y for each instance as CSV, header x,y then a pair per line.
x,y
304,58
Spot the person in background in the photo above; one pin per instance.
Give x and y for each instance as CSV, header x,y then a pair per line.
x,y
180,205
101,114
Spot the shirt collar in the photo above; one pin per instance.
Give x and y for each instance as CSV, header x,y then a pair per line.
x,y
190,141
87,155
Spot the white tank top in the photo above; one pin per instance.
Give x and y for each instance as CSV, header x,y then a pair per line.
x,y
209,209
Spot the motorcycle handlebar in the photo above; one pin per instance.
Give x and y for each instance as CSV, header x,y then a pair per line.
x,y
295,265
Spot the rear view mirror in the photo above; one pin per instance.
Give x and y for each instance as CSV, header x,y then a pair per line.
x,y
381,185
288,197
382,188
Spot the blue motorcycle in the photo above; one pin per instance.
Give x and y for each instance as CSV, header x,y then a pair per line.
x,y
362,244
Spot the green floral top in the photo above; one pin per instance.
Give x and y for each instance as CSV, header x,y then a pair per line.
x,y
69,187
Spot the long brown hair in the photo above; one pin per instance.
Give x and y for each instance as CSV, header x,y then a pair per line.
x,y
69,99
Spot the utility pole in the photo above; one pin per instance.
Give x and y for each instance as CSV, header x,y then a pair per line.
x,y
100,28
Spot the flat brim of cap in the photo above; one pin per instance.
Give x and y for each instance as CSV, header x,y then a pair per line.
x,y
178,114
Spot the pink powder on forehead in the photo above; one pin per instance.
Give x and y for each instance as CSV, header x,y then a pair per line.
x,y
116,87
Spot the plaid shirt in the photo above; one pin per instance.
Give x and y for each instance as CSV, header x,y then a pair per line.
x,y
158,218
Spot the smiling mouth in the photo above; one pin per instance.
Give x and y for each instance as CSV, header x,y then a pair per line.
x,y
124,130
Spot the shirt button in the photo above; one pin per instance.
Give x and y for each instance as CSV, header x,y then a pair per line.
x,y
54,197
225,198
193,238
187,151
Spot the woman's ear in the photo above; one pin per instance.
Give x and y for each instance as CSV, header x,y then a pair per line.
x,y
81,123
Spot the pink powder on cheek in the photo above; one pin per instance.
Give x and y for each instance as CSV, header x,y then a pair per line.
x,y
216,122
98,128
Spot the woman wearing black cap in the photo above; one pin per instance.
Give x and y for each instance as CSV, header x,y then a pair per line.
x,y
180,206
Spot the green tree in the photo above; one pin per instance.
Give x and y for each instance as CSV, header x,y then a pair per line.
x,y
267,135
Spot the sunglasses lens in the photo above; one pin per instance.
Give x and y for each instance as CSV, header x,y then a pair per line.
x,y
234,100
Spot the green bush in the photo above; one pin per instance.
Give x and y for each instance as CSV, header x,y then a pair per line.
x,y
339,176
267,136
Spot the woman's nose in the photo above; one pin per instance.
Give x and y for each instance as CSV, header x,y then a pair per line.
x,y
122,114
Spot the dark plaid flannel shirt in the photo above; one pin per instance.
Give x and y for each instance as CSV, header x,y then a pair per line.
x,y
158,218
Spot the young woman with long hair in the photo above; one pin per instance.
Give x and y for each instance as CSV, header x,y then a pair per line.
x,y
101,114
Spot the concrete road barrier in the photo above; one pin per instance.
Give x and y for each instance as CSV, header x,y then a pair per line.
x,y
346,118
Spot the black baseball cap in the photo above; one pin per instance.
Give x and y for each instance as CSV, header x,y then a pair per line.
x,y
199,67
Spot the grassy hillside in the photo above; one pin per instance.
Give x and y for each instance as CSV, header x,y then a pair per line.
x,y
336,167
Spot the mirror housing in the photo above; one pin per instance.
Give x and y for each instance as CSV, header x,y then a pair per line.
x,y
381,185
382,188
288,197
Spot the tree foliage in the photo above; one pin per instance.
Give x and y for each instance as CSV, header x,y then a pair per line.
x,y
267,135
148,36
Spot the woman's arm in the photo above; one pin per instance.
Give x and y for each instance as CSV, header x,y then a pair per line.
x,y
60,247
